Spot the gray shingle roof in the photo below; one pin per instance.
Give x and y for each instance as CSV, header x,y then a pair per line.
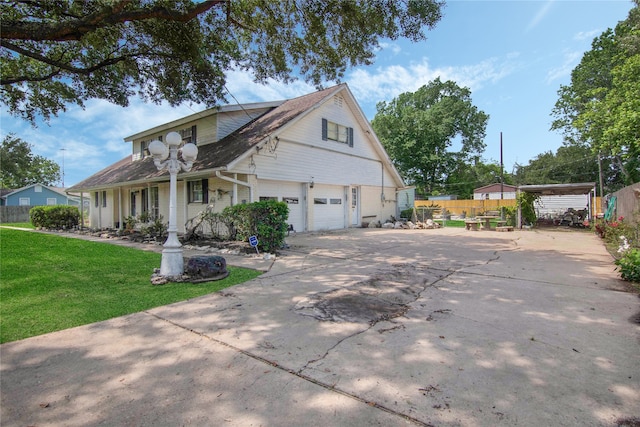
x,y
212,156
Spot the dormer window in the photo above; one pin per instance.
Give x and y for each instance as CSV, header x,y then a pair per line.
x,y
188,135
144,148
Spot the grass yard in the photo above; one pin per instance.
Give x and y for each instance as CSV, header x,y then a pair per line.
x,y
18,224
49,283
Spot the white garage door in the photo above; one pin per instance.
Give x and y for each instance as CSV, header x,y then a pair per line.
x,y
328,207
289,192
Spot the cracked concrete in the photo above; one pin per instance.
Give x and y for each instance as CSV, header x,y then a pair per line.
x,y
359,327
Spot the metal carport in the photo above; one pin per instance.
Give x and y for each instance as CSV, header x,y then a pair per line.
x,y
556,190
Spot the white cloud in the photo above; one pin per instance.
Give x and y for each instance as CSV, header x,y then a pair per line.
x,y
392,47
539,16
385,83
587,35
571,59
240,84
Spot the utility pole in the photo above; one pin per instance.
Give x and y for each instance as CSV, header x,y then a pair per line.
x,y
600,176
501,171
63,150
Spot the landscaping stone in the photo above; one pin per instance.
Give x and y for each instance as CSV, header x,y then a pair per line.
x,y
206,268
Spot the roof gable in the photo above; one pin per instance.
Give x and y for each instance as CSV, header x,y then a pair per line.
x,y
221,155
494,188
54,190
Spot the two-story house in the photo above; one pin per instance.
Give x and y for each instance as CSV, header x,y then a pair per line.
x,y
318,153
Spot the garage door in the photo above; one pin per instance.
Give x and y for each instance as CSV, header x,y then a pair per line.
x,y
328,207
288,192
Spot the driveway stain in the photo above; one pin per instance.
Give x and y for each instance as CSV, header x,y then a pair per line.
x,y
384,296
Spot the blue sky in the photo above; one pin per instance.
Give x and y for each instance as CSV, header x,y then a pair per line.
x,y
513,55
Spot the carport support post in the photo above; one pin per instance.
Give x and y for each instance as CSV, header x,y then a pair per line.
x,y
519,210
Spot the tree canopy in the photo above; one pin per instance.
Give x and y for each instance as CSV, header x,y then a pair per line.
x,y
419,129
571,163
601,105
55,53
20,167
467,176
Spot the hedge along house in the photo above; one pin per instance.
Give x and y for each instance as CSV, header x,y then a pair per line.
x,y
318,153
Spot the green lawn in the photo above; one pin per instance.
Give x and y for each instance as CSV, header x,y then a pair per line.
x,y
18,224
49,283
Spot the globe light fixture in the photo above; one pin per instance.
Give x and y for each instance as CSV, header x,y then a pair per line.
x,y
165,157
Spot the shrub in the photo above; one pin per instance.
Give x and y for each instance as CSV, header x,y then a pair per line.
x,y
130,223
612,231
629,265
267,220
527,206
510,214
407,213
155,228
56,217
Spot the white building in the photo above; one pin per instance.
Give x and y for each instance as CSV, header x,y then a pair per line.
x,y
495,192
317,152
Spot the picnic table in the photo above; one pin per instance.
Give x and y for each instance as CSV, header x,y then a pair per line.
x,y
486,220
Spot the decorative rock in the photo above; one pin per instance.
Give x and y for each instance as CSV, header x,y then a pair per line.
x,y
387,225
206,268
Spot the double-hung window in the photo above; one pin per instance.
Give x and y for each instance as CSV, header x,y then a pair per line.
x,y
336,132
198,191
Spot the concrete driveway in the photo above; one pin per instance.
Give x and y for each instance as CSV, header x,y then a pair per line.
x,y
359,328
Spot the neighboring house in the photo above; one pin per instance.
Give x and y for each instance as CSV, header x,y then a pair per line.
x,y
318,153
3,193
495,192
38,195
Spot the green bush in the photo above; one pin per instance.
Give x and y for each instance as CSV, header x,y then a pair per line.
x,y
612,231
510,215
56,217
629,265
266,220
407,213
527,206
155,228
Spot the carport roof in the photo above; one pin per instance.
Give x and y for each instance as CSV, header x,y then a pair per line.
x,y
559,189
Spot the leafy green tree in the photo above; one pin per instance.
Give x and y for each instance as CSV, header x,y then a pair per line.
x,y
418,129
19,167
469,175
600,106
571,163
54,53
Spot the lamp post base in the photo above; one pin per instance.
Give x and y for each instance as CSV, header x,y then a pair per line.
x,y
172,264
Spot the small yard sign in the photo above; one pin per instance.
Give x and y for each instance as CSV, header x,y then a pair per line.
x,y
253,241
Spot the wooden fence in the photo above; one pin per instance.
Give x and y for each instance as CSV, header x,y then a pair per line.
x,y
628,203
14,214
472,208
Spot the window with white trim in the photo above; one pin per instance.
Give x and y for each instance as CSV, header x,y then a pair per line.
x,y
24,201
154,204
188,135
37,189
198,191
51,201
332,131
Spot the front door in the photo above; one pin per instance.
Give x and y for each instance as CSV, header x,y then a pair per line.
x,y
355,203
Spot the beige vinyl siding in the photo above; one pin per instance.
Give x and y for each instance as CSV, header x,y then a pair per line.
x,y
301,154
372,204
